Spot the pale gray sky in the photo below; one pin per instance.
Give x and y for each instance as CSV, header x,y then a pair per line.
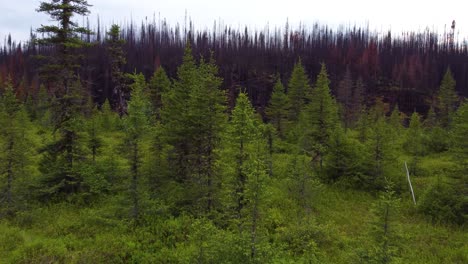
x,y
18,16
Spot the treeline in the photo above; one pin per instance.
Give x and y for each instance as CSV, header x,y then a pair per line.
x,y
404,68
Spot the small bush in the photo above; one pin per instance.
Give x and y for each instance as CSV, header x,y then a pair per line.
x,y
437,141
444,203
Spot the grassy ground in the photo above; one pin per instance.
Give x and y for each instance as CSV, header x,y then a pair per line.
x,y
73,234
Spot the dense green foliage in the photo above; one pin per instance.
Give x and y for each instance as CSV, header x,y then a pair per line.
x,y
133,205
65,37
277,110
446,99
298,91
117,61
319,118
180,178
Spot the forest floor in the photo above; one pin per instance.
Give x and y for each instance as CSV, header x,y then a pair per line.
x,y
67,233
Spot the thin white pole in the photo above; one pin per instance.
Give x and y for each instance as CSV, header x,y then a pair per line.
x,y
409,181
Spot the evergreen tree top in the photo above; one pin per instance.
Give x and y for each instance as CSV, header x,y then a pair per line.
x,y
395,117
431,119
299,79
447,88
137,119
9,102
62,11
278,102
187,69
298,90
64,37
188,59
279,87
448,80
447,93
114,34
59,8
323,82
415,121
243,118
447,98
105,107
115,46
159,82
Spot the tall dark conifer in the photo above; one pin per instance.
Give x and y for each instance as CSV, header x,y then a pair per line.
x,y
447,99
242,132
158,85
206,121
431,119
136,125
319,117
62,157
174,116
15,147
277,108
414,143
117,61
384,227
298,91
60,71
64,38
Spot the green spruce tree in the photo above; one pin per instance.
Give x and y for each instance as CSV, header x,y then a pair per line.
x,y
298,91
246,157
363,125
255,184
108,119
447,99
62,156
345,157
277,109
117,61
437,139
385,229
15,148
158,85
136,125
459,148
319,118
395,122
206,122
175,117
241,134
431,119
60,69
459,144
93,131
381,155
414,142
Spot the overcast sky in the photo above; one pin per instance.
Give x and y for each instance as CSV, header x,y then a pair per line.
x,y
18,16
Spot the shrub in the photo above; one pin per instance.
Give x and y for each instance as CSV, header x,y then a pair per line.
x,y
437,140
444,203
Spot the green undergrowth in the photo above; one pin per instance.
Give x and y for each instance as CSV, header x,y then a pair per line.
x,y
338,230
